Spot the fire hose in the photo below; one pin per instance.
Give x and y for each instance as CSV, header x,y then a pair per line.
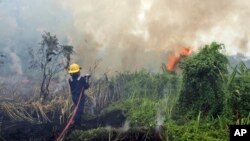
x,y
61,136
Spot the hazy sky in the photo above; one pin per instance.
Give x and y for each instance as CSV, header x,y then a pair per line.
x,y
125,34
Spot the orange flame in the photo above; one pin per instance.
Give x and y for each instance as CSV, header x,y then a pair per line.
x,y
174,60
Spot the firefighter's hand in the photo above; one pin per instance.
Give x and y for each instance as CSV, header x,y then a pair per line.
x,y
87,76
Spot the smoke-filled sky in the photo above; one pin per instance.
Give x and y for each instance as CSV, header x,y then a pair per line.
x,y
125,34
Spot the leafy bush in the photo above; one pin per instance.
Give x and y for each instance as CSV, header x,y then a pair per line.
x,y
201,88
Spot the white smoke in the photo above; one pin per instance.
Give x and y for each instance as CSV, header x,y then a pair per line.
x,y
128,35
159,120
133,34
16,65
126,126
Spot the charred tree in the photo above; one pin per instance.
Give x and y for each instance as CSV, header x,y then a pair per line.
x,y
50,59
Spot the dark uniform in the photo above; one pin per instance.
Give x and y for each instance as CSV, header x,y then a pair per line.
x,y
77,85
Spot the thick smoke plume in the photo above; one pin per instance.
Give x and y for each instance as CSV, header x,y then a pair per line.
x,y
127,35
130,34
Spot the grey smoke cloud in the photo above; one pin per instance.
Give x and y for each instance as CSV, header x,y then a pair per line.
x,y
16,63
126,35
135,34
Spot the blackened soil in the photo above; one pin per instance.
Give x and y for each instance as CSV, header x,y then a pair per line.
x,y
114,118
23,130
131,135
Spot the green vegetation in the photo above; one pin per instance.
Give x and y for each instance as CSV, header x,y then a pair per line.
x,y
191,131
239,93
88,135
202,89
198,104
145,95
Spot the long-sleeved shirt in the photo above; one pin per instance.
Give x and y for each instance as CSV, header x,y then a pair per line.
x,y
78,84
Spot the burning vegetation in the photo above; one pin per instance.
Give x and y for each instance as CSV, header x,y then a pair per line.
x,y
152,73
173,60
199,103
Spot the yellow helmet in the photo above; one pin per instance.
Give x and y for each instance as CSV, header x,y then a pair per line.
x,y
74,68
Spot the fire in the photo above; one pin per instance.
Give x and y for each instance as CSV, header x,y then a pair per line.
x,y
174,60
185,52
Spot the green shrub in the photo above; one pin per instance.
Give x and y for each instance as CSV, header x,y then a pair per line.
x,y
201,88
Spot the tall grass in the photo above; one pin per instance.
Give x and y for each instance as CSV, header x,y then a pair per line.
x,y
198,122
243,121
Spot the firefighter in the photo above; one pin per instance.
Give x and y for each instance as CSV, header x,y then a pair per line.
x,y
78,84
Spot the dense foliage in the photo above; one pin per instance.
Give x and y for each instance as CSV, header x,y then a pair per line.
x,y
239,93
204,98
202,83
197,104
